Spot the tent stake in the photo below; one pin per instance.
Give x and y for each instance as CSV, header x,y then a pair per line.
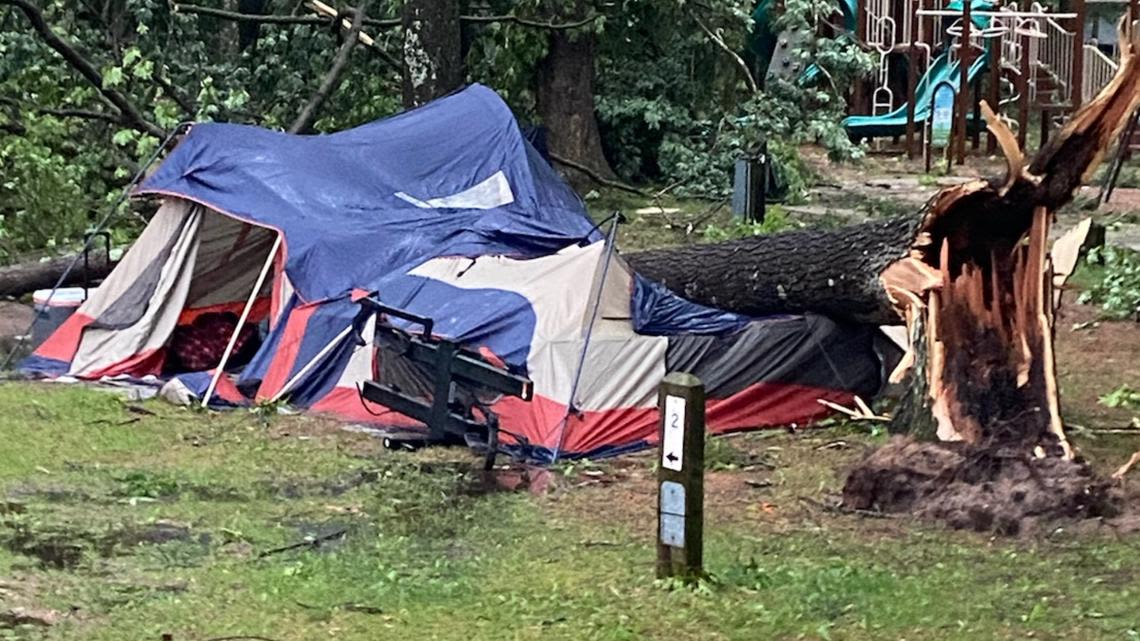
x,y
241,321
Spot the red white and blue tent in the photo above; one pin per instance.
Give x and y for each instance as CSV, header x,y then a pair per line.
x,y
448,212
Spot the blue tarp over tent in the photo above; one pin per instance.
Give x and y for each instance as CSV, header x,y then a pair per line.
x,y
334,197
341,197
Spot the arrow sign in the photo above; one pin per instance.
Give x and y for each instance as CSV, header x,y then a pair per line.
x,y
674,437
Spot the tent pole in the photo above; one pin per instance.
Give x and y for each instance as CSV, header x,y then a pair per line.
x,y
304,371
241,321
611,244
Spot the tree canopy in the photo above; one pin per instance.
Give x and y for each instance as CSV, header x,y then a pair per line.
x,y
642,92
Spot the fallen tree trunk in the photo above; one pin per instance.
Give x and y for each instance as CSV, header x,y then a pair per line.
x,y
24,278
970,276
833,272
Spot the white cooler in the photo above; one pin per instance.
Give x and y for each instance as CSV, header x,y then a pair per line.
x,y
50,314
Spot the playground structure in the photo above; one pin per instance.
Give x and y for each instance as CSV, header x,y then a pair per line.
x,y
1028,63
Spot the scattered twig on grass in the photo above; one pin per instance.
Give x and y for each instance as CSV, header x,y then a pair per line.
x,y
838,509
1124,469
667,189
107,421
598,544
708,213
240,637
758,484
862,411
307,543
839,444
348,606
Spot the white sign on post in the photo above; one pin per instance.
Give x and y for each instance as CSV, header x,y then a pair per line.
x,y
673,441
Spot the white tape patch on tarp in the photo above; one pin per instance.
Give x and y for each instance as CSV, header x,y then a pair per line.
x,y
492,192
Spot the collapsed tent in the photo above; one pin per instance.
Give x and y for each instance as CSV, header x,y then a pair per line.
x,y
448,212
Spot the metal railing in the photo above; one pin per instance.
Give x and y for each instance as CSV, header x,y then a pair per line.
x,y
1098,71
1055,56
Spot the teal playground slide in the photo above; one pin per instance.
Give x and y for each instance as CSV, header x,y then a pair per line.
x,y
894,123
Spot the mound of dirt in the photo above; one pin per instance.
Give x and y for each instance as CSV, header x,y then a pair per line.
x,y
997,489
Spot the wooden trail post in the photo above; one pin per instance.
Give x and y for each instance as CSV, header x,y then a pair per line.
x,y
681,478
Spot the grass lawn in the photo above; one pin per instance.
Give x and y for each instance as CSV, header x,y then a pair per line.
x,y
128,521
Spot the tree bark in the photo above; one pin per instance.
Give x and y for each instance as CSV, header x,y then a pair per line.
x,y
432,51
834,272
24,278
566,99
248,32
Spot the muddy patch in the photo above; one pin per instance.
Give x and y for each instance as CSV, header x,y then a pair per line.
x,y
300,488
999,489
64,547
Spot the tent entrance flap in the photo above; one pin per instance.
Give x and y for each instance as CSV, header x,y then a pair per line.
x,y
163,260
221,368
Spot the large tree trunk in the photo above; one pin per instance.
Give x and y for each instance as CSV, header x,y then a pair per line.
x,y
970,277
432,52
24,278
834,272
566,98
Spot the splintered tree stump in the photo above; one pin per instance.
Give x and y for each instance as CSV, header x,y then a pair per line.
x,y
970,277
982,363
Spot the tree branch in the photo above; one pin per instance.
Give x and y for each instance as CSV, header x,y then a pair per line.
x,y
83,114
321,20
718,41
237,16
61,112
593,175
188,107
129,114
533,23
332,78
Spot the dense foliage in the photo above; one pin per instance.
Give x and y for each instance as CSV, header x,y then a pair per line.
x,y
65,153
683,113
1116,286
673,105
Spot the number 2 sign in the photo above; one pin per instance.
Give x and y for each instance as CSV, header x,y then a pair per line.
x,y
673,441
